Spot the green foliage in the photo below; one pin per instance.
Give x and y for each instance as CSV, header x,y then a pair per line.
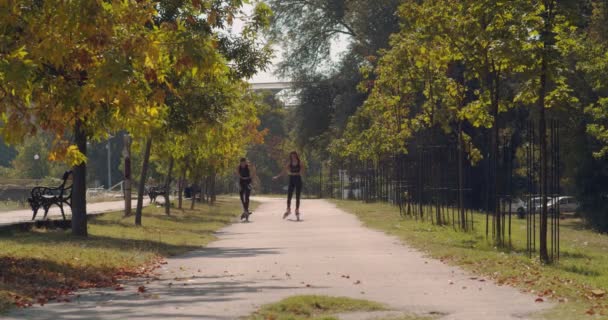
x,y
326,82
269,157
32,160
472,70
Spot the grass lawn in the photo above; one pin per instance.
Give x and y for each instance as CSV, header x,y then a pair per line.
x,y
321,308
47,264
577,282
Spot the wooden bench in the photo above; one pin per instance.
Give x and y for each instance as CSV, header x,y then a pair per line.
x,y
156,191
45,197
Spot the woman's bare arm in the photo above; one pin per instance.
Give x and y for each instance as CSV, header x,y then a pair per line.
x,y
285,169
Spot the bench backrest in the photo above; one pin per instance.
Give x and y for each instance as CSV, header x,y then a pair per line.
x,y
59,191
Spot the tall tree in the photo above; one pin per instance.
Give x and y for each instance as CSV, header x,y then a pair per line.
x,y
76,77
309,30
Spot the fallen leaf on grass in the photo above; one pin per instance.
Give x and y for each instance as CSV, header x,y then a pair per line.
x,y
598,293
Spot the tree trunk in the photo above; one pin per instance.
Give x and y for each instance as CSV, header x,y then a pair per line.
x,y
168,188
205,190
463,218
127,174
543,250
212,196
542,126
180,189
196,182
499,237
79,191
142,182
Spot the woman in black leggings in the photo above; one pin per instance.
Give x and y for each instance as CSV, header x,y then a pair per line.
x,y
294,169
245,174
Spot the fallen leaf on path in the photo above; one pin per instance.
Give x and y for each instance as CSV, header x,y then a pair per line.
x,y
539,300
358,282
141,289
119,288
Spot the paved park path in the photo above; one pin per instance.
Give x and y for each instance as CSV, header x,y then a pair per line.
x,y
25,215
328,253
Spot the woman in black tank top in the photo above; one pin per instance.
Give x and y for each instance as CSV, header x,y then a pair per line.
x,y
294,169
245,178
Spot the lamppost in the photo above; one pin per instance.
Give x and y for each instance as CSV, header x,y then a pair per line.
x,y
37,166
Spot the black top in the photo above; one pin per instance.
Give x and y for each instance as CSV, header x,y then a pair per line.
x,y
244,172
294,169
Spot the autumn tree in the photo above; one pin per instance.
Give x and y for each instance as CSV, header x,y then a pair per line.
x,y
76,78
207,59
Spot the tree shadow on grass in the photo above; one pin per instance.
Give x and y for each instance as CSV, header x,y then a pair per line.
x,y
32,280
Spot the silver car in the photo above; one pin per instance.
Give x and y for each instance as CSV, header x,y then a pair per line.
x,y
565,204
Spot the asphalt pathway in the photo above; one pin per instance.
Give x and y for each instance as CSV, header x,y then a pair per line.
x,y
328,253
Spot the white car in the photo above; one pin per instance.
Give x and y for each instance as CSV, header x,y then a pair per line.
x,y
517,205
565,204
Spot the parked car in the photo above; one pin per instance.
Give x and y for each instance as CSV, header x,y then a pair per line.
x,y
516,205
565,204
537,203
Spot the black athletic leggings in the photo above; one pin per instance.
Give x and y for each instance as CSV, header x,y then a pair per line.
x,y
295,182
245,193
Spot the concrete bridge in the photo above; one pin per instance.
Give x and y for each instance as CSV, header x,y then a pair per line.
x,y
281,89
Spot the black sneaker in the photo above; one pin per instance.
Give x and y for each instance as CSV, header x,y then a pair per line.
x,y
244,216
287,213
